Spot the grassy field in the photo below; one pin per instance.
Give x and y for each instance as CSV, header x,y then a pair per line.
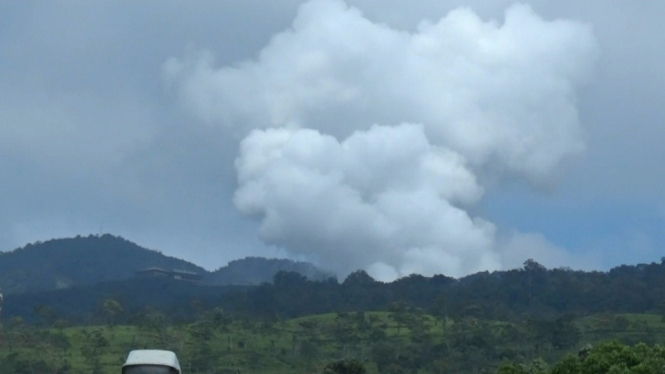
x,y
627,328
240,346
300,345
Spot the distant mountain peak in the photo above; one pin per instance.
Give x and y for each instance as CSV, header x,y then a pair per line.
x,y
87,260
256,270
79,261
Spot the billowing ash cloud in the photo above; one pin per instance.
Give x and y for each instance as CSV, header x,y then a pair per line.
x,y
365,141
382,199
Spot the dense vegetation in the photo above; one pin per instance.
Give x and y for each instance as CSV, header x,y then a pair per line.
x,y
529,292
395,341
527,320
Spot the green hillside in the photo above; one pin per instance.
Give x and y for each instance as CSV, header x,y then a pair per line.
x,y
528,320
83,261
396,341
80,261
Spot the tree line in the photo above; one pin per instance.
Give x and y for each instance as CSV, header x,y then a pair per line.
x,y
531,291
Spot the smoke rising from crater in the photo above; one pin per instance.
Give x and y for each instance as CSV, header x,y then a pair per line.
x,y
363,145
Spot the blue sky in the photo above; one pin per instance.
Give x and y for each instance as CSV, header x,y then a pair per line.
x,y
339,132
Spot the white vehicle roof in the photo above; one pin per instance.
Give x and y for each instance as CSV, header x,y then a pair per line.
x,y
152,357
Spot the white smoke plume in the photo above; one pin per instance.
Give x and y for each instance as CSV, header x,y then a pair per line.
x,y
365,142
381,199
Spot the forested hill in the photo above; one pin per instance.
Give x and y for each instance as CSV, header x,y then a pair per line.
x,y
83,261
79,261
529,292
256,270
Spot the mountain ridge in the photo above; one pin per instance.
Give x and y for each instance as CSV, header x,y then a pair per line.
x,y
263,269
84,261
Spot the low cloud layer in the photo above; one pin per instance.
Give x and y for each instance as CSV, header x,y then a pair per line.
x,y
365,146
